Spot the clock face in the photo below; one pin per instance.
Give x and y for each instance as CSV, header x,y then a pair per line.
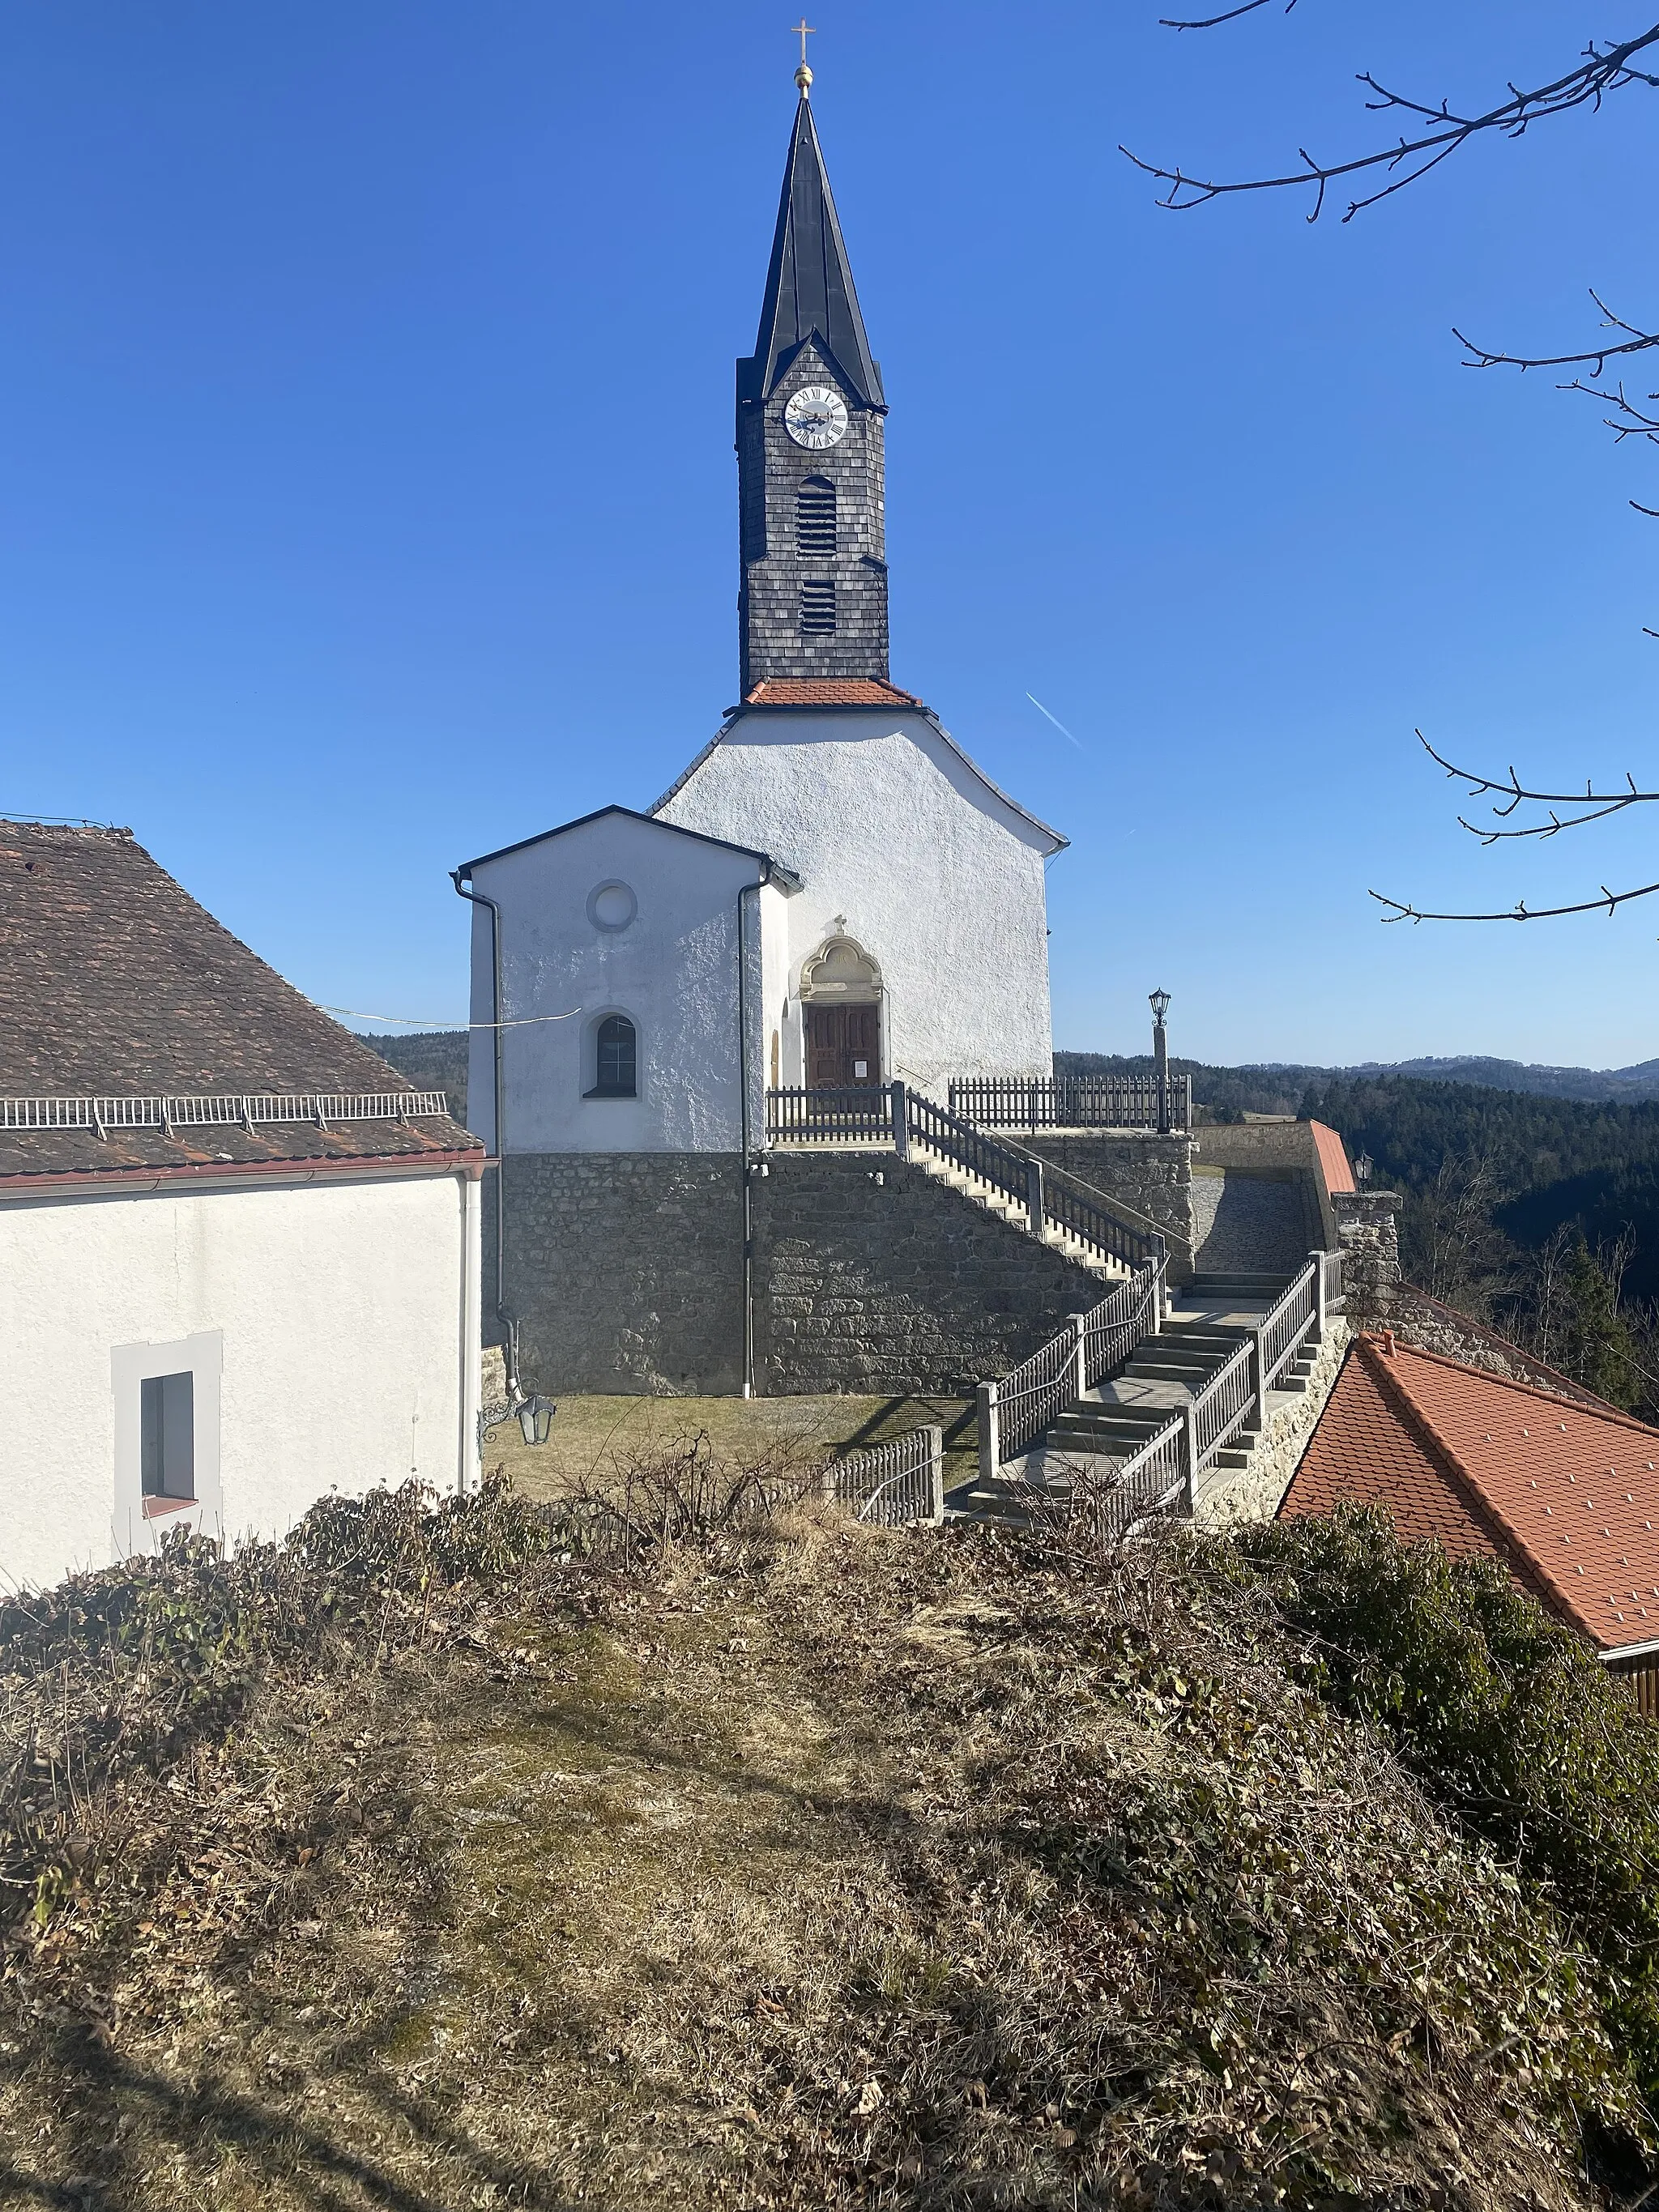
x,y
816,417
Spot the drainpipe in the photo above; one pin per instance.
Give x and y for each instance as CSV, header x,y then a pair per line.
x,y
509,1327
742,1116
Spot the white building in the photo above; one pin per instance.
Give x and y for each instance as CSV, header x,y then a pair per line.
x,y
239,1256
832,897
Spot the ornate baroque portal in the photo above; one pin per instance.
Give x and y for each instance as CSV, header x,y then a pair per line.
x,y
840,996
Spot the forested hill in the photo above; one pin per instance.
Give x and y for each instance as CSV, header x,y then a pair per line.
x,y
1538,1213
1274,1087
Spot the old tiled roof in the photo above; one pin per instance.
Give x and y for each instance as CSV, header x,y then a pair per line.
x,y
1566,1495
1332,1157
827,692
115,983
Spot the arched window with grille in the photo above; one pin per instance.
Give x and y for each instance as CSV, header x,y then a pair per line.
x,y
616,1059
815,517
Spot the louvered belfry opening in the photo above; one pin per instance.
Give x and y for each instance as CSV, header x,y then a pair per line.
x,y
814,517
818,606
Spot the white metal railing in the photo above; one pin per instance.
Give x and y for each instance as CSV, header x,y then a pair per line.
x,y
1016,1409
1153,1481
243,1110
1283,1332
1128,1313
1223,1407
893,1486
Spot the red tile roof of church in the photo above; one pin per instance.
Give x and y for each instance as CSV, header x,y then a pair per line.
x,y
827,691
1566,1495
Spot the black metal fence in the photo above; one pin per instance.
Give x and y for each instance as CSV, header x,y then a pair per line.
x,y
1079,1101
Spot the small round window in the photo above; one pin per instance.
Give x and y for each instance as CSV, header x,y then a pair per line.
x,y
612,906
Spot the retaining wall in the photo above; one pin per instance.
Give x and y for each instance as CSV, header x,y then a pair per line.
x,y
625,1274
1150,1174
624,1271
871,1276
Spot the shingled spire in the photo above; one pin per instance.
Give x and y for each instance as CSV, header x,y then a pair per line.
x,y
809,285
810,451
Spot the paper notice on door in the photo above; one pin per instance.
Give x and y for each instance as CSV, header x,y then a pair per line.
x,y
860,1067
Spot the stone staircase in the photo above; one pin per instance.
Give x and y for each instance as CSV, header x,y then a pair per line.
x,y
1209,1318
997,1201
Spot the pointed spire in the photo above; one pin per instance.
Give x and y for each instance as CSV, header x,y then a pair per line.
x,y
809,285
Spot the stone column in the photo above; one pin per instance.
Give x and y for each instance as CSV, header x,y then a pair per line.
x,y
1368,1228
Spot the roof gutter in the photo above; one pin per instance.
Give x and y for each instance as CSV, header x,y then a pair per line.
x,y
509,1326
92,1182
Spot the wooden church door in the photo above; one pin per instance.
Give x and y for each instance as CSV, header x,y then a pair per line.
x,y
843,1046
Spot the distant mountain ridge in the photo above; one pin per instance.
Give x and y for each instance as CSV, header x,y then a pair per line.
x,y
1641,1081
1282,1081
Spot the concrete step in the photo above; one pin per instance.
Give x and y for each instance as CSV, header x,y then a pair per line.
x,y
998,1503
1101,1438
1248,1290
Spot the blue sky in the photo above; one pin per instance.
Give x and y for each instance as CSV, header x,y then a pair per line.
x,y
367,497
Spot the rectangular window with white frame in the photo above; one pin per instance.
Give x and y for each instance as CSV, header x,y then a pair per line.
x,y
167,1440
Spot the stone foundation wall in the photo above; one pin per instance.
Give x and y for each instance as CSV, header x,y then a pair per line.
x,y
1253,1493
625,1274
871,1276
1151,1176
624,1271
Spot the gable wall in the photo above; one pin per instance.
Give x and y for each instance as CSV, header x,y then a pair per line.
x,y
940,881
672,971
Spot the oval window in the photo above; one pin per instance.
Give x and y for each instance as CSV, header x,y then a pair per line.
x,y
612,906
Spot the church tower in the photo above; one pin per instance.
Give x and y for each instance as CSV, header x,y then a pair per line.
x,y
813,601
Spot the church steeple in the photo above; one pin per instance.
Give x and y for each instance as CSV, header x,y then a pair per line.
x,y
810,463
809,285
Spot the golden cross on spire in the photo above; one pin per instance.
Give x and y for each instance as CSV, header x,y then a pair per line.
x,y
804,74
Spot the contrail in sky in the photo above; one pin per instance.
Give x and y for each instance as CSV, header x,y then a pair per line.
x,y
1055,720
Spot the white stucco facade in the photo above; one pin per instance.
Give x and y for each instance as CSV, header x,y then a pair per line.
x,y
618,914
904,848
330,1325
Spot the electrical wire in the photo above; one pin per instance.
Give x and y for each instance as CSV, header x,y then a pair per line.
x,y
434,1022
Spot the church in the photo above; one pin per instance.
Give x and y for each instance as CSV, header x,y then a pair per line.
x,y
832,895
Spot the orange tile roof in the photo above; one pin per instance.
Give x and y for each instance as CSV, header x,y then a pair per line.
x,y
827,691
1566,1496
1332,1157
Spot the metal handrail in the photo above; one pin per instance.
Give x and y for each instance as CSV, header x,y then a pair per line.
x,y
1152,1481
1017,1408
166,1110
854,1114
869,1114
904,1478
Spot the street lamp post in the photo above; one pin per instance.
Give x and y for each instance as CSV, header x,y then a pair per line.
x,y
1159,1002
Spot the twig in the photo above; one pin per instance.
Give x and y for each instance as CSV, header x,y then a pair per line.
x,y
1600,70
1608,901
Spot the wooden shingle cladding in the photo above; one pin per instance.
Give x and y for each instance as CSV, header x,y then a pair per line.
x,y
114,981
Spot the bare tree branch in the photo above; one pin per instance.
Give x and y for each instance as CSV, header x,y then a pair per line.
x,y
1520,912
1636,341
1601,70
1516,792
1209,23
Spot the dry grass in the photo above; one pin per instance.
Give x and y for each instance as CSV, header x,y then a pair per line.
x,y
595,1439
822,1870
